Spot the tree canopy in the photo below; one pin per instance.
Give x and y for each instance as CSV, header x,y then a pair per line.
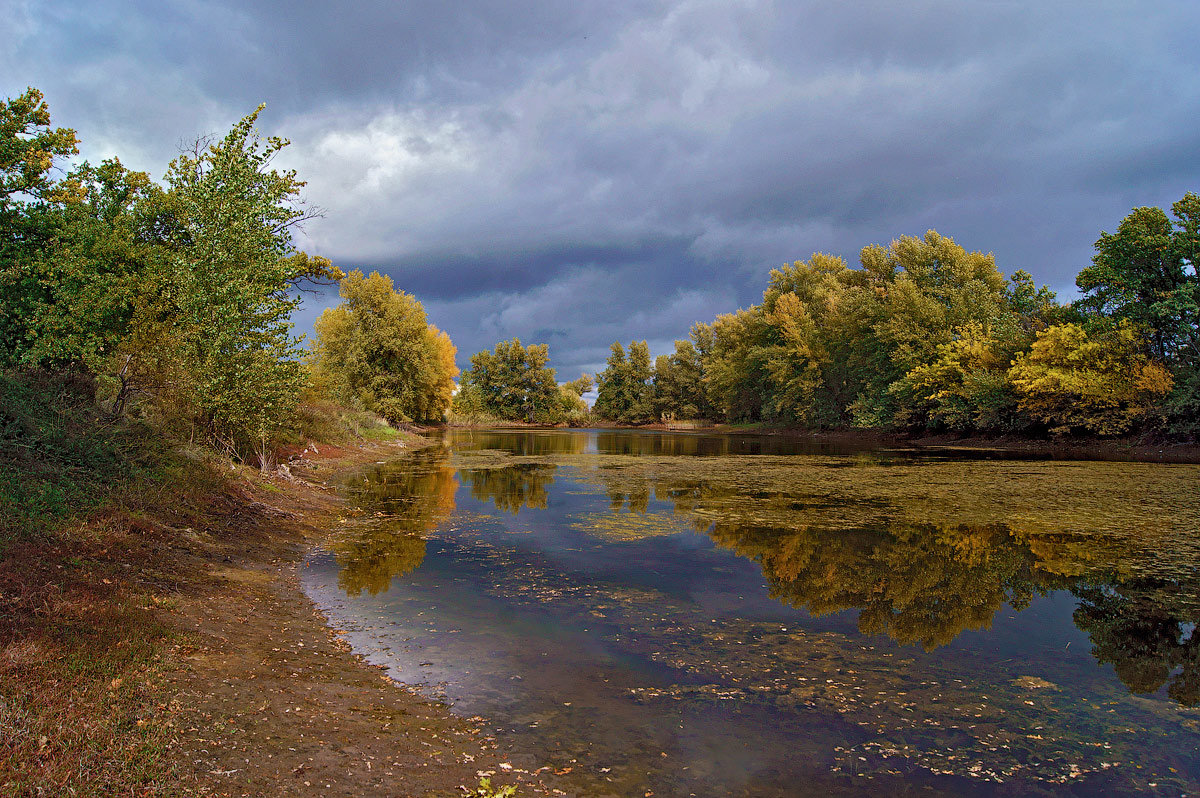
x,y
512,382
925,334
377,348
178,294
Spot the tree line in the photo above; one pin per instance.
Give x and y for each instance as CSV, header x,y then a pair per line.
x,y
924,335
176,297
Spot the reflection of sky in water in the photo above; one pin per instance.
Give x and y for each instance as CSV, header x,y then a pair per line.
x,y
595,632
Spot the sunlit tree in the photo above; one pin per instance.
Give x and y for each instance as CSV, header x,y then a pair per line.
x,y
1098,383
378,348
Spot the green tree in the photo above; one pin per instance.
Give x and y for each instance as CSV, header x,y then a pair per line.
x,y
625,392
378,348
820,341
679,388
930,288
1138,273
613,396
966,388
572,407
228,222
736,364
513,382
100,269
30,218
1148,273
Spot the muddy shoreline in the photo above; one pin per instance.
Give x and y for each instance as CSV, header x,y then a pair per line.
x,y
279,704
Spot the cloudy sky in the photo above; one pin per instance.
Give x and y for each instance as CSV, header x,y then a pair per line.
x,y
580,172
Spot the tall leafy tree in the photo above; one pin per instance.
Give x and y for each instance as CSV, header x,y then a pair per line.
x,y
736,355
229,218
380,350
513,382
1141,273
1148,273
820,315
679,384
624,389
30,217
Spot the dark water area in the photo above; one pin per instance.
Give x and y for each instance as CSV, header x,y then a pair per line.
x,y
751,615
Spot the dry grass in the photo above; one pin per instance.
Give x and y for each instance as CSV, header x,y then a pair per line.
x,y
82,655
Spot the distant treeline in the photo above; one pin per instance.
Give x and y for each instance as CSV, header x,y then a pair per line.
x,y
925,335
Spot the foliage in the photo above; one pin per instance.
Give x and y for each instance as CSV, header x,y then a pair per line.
x,y
820,314
624,387
678,390
377,348
232,263
513,382
1103,384
572,407
736,364
1148,273
964,389
928,335
29,222
175,298
1140,274
486,790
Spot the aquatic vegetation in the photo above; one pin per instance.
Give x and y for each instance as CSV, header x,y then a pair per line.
x,y
637,592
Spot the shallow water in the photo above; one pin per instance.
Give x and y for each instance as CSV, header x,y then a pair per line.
x,y
744,615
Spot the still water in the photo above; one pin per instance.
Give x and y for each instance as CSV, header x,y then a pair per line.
x,y
741,615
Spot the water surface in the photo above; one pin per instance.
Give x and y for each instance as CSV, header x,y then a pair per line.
x,y
750,615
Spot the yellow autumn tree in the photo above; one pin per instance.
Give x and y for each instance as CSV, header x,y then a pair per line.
x,y
965,388
1103,384
378,348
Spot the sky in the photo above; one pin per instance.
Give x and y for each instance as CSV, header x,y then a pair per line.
x,y
576,173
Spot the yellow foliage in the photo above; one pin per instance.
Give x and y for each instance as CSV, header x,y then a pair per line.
x,y
1103,384
377,347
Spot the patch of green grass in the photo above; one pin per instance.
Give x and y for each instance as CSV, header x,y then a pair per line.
x,y
58,454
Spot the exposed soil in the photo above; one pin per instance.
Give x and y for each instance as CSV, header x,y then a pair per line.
x,y
279,705
170,650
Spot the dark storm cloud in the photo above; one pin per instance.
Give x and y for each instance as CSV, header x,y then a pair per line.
x,y
457,274
587,172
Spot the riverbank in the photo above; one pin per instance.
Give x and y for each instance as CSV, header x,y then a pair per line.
x,y
167,649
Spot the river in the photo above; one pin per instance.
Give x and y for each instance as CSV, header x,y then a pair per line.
x,y
733,614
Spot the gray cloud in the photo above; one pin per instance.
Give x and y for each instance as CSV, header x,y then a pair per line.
x,y
589,172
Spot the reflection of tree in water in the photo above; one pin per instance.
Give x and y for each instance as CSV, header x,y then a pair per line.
x,y
636,498
918,584
1146,633
512,487
927,583
519,443
403,501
